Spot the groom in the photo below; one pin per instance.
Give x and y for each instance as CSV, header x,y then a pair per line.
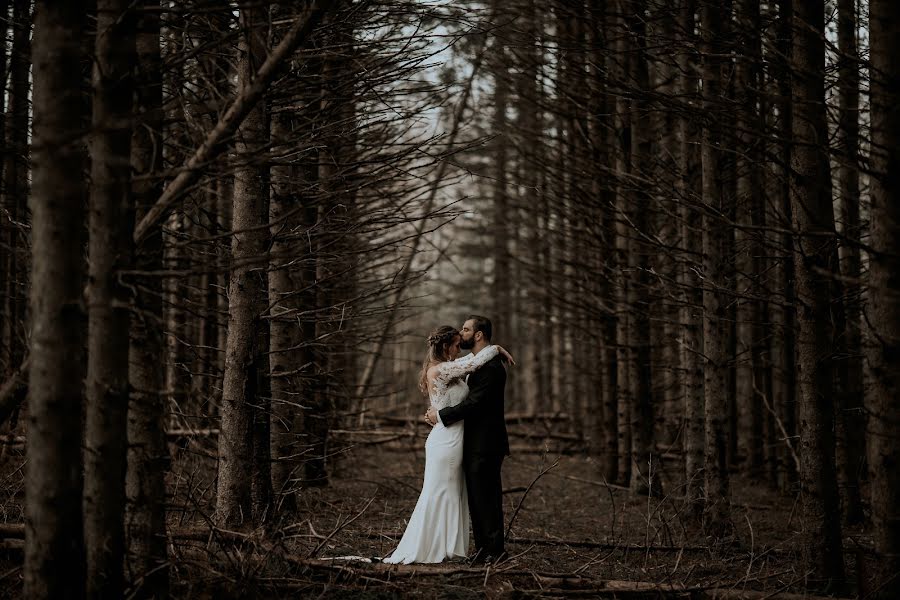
x,y
485,442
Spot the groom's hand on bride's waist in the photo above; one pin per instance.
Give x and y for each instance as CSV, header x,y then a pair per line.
x,y
431,416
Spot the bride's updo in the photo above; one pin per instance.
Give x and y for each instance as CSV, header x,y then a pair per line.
x,y
438,342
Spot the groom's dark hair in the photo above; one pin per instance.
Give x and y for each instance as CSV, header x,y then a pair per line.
x,y
482,324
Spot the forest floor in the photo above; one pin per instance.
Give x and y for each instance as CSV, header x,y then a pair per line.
x,y
572,536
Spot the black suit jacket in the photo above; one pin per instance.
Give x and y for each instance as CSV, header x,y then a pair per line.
x,y
483,412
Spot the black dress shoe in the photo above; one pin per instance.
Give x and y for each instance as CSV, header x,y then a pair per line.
x,y
478,559
500,558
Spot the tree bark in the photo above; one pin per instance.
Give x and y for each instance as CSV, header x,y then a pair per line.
x,y
813,220
261,474
54,554
15,184
529,125
246,292
6,322
851,424
177,379
644,474
603,191
148,455
623,258
749,383
785,347
883,311
717,519
500,234
110,251
286,387
691,312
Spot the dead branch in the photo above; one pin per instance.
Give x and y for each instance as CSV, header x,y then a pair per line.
x,y
403,276
565,583
340,527
228,124
603,545
543,472
589,482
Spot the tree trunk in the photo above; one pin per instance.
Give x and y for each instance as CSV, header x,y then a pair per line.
x,y
246,292
283,361
603,193
813,220
529,124
175,257
499,230
54,559
623,257
691,312
224,203
785,348
111,250
884,292
717,518
851,423
749,385
6,225
261,493
15,183
148,454
644,474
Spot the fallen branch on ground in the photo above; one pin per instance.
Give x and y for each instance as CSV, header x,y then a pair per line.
x,y
566,583
590,482
603,545
341,526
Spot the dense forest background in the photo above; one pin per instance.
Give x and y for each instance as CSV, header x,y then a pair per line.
x,y
227,229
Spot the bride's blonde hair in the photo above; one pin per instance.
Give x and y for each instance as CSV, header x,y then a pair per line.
x,y
439,342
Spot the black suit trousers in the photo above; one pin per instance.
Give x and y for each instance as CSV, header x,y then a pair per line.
x,y
485,490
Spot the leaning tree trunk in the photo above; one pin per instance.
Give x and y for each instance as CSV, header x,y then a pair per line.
x,y
110,251
246,292
54,559
813,220
884,292
715,228
148,458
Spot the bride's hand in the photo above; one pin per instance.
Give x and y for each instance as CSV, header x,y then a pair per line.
x,y
506,355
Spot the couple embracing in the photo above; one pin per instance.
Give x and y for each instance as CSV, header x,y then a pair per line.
x,y
464,450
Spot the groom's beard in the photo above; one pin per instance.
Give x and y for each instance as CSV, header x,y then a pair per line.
x,y
467,344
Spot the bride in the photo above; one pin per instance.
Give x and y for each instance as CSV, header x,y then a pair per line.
x,y
439,525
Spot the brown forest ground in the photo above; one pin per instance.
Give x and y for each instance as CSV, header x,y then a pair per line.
x,y
373,489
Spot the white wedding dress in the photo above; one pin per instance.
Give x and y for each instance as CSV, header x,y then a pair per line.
x,y
439,526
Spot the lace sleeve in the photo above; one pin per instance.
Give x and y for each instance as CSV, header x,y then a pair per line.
x,y
456,369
